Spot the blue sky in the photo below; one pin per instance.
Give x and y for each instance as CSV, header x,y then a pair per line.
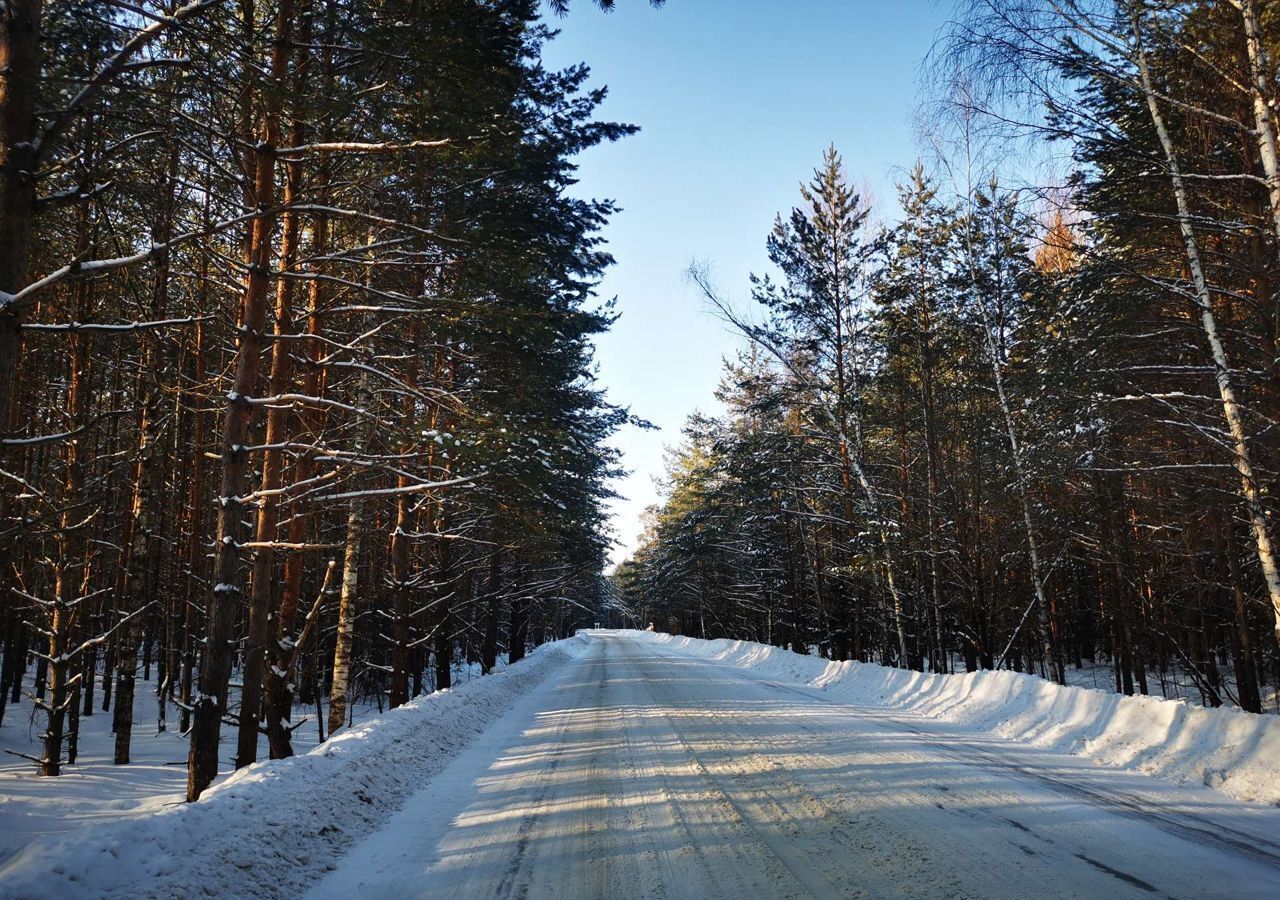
x,y
736,99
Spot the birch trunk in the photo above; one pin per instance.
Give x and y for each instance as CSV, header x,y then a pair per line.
x,y
346,618
350,562
1250,492
1263,121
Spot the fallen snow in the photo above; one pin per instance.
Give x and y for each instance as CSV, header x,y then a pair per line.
x,y
641,771
1232,751
716,786
274,827
1175,683
96,792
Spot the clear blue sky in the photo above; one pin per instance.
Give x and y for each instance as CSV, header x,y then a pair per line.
x,y
737,100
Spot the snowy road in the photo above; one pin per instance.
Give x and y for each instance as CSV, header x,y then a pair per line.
x,y
641,772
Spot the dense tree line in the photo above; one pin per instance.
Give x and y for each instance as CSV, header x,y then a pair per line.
x,y
296,380
1006,432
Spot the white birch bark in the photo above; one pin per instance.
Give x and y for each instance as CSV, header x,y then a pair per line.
x,y
348,597
1231,411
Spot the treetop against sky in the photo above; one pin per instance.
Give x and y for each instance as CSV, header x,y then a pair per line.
x,y
736,102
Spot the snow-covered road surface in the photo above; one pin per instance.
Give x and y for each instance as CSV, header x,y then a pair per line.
x,y
639,771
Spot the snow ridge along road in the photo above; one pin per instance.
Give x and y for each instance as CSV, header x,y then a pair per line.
x,y
274,828
1232,751
642,770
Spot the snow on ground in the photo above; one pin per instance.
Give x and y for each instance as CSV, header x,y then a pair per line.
x,y
636,764
261,832
643,770
1176,683
94,791
1232,751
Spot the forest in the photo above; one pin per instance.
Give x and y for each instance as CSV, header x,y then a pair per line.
x,y
1029,423
296,362
299,407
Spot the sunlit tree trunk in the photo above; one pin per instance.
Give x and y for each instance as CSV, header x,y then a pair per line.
x,y
262,634
349,597
1233,414
224,601
280,691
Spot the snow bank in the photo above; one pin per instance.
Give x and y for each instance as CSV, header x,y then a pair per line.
x,y
272,828
1232,751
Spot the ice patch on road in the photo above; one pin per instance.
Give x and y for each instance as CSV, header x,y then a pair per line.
x,y
1228,750
274,827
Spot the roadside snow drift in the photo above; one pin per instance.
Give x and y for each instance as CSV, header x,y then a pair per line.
x,y
1232,751
272,828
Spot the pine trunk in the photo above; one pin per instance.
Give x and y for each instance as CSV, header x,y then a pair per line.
x,y
224,603
20,35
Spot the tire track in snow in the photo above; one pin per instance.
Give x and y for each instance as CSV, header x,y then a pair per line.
x,y
1256,846
676,798
801,868
511,886
677,778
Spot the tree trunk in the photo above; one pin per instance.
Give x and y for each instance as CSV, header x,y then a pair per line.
x,y
351,558
147,472
70,577
20,35
493,607
346,618
400,604
443,619
1263,118
195,550
224,602
519,629
280,690
400,553
1250,490
148,475
261,633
